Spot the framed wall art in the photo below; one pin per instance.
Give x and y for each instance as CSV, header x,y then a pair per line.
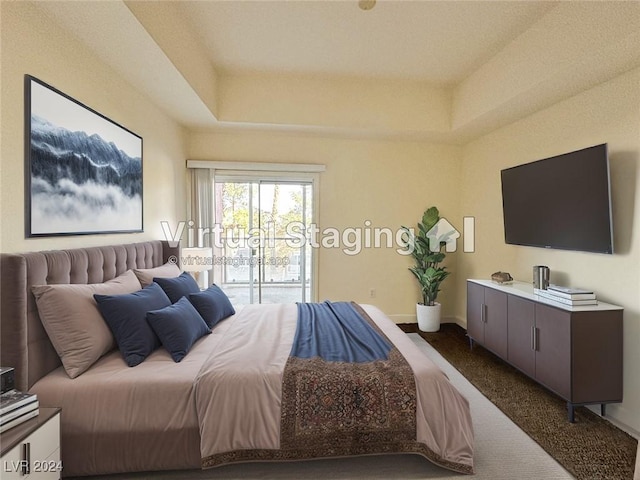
x,y
83,171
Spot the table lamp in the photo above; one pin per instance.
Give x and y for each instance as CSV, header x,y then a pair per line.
x,y
196,260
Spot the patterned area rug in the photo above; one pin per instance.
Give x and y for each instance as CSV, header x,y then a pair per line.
x,y
592,448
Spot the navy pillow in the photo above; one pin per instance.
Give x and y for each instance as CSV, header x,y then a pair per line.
x,y
126,316
178,287
212,304
178,326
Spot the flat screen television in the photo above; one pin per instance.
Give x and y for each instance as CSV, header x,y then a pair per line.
x,y
561,202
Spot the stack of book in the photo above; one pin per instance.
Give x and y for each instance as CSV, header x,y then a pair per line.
x,y
576,297
17,407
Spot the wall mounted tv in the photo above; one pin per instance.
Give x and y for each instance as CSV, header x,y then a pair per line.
x,y
561,202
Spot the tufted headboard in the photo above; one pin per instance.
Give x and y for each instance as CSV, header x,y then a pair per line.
x,y
24,344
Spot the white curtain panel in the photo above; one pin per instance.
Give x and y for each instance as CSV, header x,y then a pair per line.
x,y
202,214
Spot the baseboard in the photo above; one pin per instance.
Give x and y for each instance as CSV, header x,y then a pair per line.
x,y
619,411
461,322
405,318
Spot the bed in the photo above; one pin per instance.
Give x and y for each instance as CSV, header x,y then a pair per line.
x,y
238,395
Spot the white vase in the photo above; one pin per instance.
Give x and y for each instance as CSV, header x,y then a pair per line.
x,y
428,317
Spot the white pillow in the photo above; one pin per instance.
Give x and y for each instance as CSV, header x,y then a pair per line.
x,y
73,322
146,275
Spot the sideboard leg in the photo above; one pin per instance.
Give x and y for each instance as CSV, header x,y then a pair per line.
x,y
571,412
603,409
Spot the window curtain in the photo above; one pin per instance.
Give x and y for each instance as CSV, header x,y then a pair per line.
x,y
205,207
202,214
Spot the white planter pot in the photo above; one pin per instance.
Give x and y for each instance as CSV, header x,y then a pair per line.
x,y
428,317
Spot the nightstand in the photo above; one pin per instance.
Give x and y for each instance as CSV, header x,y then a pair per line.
x,y
32,449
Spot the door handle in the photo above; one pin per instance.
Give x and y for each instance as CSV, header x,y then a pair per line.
x,y
26,458
483,313
533,338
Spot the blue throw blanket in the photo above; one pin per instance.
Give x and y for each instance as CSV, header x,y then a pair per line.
x,y
346,389
336,332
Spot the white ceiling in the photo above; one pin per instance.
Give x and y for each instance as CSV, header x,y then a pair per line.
x,y
440,42
490,62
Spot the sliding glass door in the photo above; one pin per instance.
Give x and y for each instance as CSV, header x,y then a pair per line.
x,y
263,262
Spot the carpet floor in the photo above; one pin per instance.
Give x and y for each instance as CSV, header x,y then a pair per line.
x,y
591,449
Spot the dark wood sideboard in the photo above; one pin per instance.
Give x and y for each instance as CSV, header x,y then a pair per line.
x,y
576,352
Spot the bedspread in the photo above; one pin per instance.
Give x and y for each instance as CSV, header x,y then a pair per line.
x,y
256,402
346,389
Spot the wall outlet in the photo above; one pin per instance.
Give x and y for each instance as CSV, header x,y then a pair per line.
x,y
372,293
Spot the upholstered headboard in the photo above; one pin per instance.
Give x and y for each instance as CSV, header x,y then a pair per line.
x,y
24,344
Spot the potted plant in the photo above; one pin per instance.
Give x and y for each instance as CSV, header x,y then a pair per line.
x,y
426,247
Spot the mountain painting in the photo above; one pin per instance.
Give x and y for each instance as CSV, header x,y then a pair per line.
x,y
84,171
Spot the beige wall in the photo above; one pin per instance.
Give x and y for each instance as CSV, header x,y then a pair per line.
x,y
352,103
607,113
587,51
32,44
388,183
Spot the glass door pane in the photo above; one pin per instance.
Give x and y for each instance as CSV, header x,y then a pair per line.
x,y
235,214
262,262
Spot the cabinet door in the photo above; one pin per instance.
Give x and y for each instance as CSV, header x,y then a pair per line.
x,y
520,324
596,356
553,352
45,451
12,464
475,306
42,455
495,322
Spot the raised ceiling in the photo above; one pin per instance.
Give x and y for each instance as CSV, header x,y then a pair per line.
x,y
440,42
419,70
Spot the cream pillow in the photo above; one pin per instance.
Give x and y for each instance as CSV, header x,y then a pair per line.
x,y
146,275
71,318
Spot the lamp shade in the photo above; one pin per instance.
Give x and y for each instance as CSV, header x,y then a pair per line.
x,y
197,259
